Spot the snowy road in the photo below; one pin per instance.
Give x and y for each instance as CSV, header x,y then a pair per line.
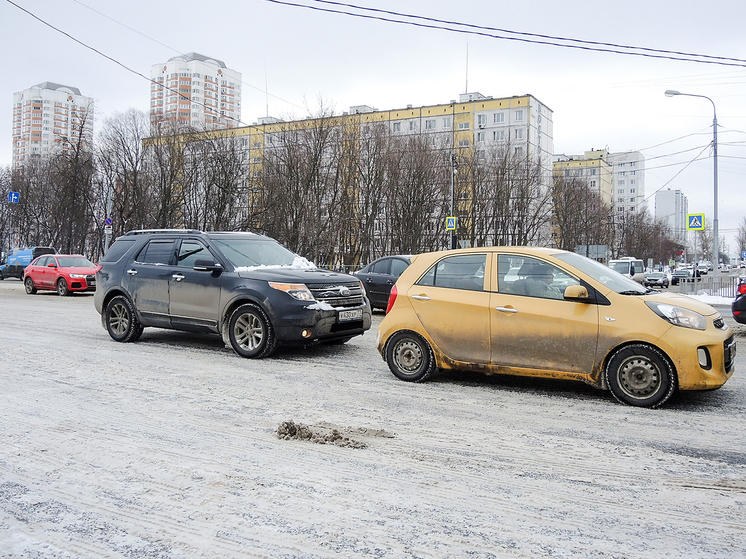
x,y
167,448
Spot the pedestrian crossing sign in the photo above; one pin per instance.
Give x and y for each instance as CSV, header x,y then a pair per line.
x,y
450,224
695,222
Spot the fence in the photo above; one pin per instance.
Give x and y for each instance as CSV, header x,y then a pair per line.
x,y
715,283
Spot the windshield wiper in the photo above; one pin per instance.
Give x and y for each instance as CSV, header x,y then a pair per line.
x,y
635,292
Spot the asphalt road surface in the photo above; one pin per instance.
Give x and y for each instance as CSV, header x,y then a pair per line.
x,y
168,448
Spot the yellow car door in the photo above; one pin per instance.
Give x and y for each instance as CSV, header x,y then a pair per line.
x,y
452,304
533,326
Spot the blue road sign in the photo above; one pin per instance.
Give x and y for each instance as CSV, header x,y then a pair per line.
x,y
108,221
450,224
695,222
743,255
14,197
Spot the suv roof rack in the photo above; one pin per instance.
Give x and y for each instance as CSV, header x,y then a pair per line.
x,y
150,231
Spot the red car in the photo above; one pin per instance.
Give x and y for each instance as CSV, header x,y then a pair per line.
x,y
65,273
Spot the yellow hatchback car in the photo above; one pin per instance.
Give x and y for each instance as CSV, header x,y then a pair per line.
x,y
549,313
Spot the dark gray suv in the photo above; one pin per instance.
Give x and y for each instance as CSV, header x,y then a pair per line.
x,y
247,287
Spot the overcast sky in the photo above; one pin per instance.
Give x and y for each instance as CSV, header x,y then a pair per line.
x,y
599,99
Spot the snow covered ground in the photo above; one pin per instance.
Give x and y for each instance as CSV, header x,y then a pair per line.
x,y
168,448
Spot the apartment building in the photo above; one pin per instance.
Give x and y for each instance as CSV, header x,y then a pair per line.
x,y
593,167
195,91
618,177
671,208
628,176
50,119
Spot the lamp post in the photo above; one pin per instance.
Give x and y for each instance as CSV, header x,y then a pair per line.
x,y
716,239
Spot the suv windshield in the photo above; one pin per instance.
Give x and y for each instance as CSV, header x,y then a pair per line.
x,y
250,253
603,274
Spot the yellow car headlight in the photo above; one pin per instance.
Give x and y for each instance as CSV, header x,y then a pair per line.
x,y
678,316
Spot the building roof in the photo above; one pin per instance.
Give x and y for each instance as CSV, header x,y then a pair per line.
x,y
200,57
54,86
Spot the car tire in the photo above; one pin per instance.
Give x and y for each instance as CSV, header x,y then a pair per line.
x,y
640,375
62,289
121,322
28,283
251,333
409,357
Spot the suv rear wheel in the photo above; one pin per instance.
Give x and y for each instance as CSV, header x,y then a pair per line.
x,y
250,332
121,321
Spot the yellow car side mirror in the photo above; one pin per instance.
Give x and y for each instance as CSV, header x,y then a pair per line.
x,y
577,293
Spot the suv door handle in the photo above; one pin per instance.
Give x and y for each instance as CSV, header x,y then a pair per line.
x,y
506,309
178,277
132,272
421,297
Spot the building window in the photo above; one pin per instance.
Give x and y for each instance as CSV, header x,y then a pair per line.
x,y
593,172
447,122
498,135
519,152
620,191
481,120
463,125
622,173
498,118
412,125
621,200
632,190
397,127
519,116
430,124
621,182
480,136
632,181
463,143
519,134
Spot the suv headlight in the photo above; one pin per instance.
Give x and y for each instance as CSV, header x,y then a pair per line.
x,y
678,316
77,275
296,290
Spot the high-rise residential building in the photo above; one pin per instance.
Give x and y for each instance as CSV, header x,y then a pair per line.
x,y
50,119
671,208
593,167
628,182
619,178
195,91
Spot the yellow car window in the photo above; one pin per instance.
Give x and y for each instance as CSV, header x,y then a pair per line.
x,y
523,275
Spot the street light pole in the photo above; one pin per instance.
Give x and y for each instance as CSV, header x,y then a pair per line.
x,y
715,234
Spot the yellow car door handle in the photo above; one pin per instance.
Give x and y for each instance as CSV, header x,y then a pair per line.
x,y
506,309
421,297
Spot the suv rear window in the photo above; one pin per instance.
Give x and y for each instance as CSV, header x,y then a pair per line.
x,y
156,252
117,250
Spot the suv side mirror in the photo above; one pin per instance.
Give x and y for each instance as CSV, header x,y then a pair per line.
x,y
207,266
577,293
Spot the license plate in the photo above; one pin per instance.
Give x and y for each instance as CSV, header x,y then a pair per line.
x,y
355,314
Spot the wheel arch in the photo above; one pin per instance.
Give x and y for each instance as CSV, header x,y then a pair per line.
x,y
602,373
236,302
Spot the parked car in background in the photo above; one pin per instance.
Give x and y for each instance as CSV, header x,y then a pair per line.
x,y
562,316
655,279
379,277
628,266
246,287
17,260
703,268
738,308
65,273
680,275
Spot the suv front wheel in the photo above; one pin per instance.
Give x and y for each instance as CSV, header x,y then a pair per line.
x,y
250,332
121,321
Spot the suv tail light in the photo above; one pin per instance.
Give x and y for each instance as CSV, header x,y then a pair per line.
x,y
742,288
392,298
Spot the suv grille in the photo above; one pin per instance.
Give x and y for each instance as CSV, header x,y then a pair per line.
x,y
344,294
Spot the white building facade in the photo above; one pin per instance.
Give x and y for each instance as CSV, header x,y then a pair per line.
x,y
50,119
671,208
628,182
195,91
